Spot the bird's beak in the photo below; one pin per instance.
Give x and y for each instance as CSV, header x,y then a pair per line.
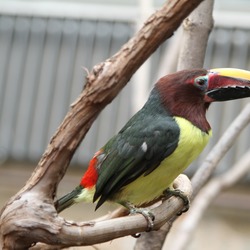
x,y
227,84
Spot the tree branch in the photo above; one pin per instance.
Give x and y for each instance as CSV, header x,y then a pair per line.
x,y
196,30
62,233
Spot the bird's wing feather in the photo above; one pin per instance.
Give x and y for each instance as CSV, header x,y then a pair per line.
x,y
136,150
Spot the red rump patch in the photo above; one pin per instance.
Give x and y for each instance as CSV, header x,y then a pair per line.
x,y
90,177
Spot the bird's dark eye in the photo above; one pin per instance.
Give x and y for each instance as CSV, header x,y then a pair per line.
x,y
201,82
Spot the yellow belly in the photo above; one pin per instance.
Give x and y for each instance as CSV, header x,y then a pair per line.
x,y
147,188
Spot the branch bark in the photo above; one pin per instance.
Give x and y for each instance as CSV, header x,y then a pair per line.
x,y
196,30
29,216
60,233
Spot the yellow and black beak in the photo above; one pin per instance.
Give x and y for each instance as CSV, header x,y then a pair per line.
x,y
227,84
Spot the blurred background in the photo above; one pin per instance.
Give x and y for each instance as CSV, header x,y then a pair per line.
x,y
46,49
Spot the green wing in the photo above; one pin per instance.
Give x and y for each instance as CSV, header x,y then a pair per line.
x,y
136,150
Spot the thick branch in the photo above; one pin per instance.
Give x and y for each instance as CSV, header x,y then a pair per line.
x,y
107,230
52,229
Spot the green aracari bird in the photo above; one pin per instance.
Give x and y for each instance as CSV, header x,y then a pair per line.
x,y
137,165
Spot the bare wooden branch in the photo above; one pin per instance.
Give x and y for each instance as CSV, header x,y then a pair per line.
x,y
196,30
30,216
98,231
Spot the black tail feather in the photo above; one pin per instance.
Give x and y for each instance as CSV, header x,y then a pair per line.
x,y
68,199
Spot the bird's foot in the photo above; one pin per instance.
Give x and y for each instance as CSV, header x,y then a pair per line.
x,y
177,192
148,215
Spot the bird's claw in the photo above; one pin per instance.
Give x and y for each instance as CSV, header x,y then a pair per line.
x,y
177,192
148,215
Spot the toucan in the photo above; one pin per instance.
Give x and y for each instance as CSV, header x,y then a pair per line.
x,y
138,164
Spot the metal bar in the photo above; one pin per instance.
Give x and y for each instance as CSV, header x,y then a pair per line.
x,y
69,10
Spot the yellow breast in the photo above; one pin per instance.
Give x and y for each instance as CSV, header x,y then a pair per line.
x,y
147,188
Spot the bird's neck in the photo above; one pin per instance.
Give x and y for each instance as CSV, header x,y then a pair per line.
x,y
183,105
196,114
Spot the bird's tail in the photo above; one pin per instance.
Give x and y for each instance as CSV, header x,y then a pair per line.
x,y
68,199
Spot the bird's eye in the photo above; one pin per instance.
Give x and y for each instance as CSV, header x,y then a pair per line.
x,y
201,83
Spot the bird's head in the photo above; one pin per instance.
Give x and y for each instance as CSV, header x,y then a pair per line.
x,y
188,93
221,84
